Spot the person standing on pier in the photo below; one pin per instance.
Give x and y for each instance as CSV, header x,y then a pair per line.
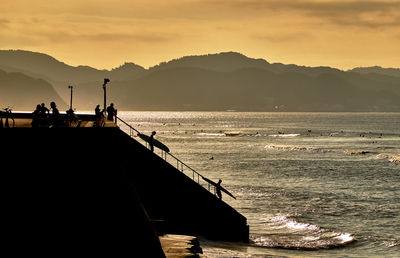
x,y
44,111
111,112
97,111
218,189
36,116
151,141
99,117
55,114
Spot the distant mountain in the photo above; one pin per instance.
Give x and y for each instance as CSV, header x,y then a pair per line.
x,y
223,62
225,81
232,61
23,92
38,64
59,74
251,90
377,70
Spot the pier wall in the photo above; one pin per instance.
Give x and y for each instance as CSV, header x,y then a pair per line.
x,y
100,189
64,195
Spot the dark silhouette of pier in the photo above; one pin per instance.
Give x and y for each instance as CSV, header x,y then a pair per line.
x,y
64,194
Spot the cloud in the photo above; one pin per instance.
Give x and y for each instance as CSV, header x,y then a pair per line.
x,y
331,7
4,23
111,36
362,13
65,29
281,38
69,37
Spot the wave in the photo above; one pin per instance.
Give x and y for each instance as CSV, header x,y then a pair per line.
x,y
285,135
395,158
295,148
290,234
317,149
392,243
211,134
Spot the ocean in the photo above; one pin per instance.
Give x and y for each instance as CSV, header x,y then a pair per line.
x,y
309,184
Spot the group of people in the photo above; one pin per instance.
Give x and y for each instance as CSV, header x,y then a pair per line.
x,y
41,117
45,117
111,114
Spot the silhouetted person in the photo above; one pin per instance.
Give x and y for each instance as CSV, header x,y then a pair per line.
x,y
55,114
111,112
36,116
44,111
99,117
151,141
218,189
97,111
54,109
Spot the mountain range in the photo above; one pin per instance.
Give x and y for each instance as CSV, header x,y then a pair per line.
x,y
213,82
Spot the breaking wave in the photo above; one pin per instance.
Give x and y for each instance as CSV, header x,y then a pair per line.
x,y
392,243
295,148
211,134
290,234
395,158
285,135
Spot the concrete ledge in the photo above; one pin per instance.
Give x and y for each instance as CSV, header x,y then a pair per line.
x,y
181,246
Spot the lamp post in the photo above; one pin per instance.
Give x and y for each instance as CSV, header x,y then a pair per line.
x,y
106,80
70,102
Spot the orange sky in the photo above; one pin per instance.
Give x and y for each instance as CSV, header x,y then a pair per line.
x,y
105,33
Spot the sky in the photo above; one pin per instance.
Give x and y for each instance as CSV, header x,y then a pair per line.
x,y
107,33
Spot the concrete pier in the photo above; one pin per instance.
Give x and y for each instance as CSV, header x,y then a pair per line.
x,y
100,190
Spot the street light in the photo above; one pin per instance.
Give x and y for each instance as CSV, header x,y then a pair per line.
x,y
106,80
70,102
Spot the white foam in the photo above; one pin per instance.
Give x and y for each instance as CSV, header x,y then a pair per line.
x,y
285,222
311,238
392,243
344,237
301,226
294,148
211,134
395,158
285,135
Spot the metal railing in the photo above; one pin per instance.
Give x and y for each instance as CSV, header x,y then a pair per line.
x,y
180,165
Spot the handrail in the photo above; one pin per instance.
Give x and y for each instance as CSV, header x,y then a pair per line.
x,y
179,163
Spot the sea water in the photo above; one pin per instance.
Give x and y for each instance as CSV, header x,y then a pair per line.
x,y
309,184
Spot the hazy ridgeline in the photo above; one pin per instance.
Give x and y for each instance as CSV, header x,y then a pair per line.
x,y
225,81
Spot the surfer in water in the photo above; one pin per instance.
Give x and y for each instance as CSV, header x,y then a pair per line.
x,y
151,142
